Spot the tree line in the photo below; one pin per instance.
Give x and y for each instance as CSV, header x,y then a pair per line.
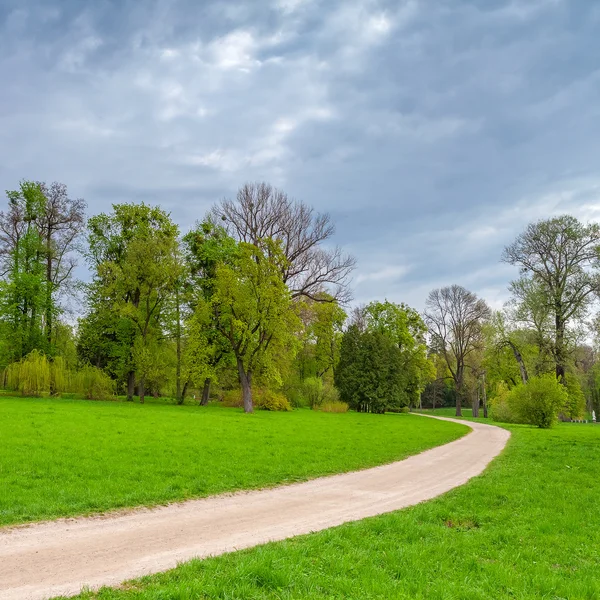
x,y
251,306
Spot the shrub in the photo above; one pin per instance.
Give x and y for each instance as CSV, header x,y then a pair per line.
x,y
539,401
93,383
312,391
332,407
498,404
402,409
295,396
31,376
265,399
575,405
232,398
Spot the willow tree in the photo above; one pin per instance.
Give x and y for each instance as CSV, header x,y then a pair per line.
x,y
455,317
558,262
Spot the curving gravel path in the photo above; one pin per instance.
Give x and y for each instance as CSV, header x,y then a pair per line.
x,y
44,560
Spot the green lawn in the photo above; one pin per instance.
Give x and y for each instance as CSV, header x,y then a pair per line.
x,y
69,457
528,528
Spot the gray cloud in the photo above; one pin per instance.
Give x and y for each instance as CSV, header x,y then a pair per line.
x,y
433,132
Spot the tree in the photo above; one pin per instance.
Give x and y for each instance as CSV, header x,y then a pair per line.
x,y
253,311
368,376
134,251
262,212
557,259
24,292
58,222
405,327
455,317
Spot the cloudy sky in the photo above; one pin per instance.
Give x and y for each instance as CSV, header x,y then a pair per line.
x,y
431,130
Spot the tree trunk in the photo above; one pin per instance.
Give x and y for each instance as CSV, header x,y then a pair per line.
x,y
484,395
519,358
475,411
130,385
559,346
178,336
183,392
205,392
459,385
142,390
246,383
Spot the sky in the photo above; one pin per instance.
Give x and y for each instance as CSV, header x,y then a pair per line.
x,y
432,131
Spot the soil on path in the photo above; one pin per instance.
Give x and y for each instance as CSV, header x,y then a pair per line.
x,y
48,559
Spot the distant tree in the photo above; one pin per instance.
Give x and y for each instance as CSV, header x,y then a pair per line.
x,y
253,312
134,252
368,376
455,317
558,260
262,212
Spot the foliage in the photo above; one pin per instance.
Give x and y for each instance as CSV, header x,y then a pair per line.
x,y
333,406
368,376
266,399
312,391
538,402
232,398
92,383
31,375
499,408
574,407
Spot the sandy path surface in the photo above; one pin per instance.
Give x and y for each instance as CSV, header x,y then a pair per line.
x,y
53,558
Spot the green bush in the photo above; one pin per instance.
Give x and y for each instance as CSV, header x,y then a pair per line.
x,y
265,399
575,406
498,404
232,398
402,409
539,401
93,383
332,407
312,391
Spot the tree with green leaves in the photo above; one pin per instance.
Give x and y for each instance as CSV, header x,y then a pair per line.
x,y
558,264
134,253
253,312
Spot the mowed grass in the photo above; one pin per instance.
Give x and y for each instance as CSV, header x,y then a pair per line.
x,y
68,457
528,528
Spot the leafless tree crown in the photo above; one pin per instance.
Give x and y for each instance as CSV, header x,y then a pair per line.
x,y
261,211
454,316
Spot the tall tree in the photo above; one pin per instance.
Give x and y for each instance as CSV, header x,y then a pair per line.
x,y
557,260
253,312
134,252
455,317
262,212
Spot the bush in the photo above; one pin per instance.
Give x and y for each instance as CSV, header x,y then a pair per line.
x,y
93,383
575,405
312,391
265,399
332,407
402,409
498,404
539,401
232,398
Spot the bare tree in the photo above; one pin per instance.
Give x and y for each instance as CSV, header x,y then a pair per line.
x,y
557,260
261,211
455,316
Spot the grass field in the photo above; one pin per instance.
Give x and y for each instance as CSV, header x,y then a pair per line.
x,y
69,457
529,528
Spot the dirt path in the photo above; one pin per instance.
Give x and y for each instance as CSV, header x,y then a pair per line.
x,y
52,558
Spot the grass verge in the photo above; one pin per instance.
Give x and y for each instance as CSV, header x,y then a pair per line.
x,y
69,457
528,528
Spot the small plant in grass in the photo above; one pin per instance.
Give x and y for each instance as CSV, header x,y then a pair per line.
x,y
266,399
335,406
232,398
539,401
